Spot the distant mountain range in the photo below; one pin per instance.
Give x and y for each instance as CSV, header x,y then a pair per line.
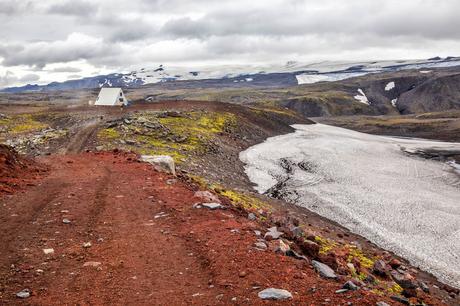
x,y
290,74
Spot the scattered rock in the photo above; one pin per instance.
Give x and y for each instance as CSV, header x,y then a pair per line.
x,y
212,206
261,245
400,299
406,280
23,294
274,294
273,233
309,247
160,162
87,245
323,270
94,264
341,290
243,274
252,216
48,251
258,233
381,304
296,255
66,221
350,285
282,247
395,263
380,268
424,287
207,196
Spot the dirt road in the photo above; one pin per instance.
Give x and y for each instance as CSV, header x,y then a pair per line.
x,y
148,245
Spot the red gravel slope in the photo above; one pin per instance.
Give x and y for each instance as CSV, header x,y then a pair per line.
x,y
153,246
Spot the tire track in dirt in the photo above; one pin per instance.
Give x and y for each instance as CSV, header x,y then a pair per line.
x,y
79,140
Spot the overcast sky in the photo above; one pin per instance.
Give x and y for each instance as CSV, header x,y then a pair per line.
x,y
56,40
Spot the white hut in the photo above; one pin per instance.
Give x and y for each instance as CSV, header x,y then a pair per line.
x,y
111,96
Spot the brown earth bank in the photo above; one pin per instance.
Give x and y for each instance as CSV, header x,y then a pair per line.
x,y
105,229
13,170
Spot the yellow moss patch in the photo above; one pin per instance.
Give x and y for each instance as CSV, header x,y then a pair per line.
x,y
109,133
23,123
395,288
325,244
237,198
355,253
246,201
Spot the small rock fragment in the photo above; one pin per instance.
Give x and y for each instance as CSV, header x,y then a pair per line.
x,y
87,245
66,221
92,264
343,290
207,196
424,287
48,251
400,299
380,268
381,304
261,245
273,233
274,294
212,206
350,286
252,216
23,294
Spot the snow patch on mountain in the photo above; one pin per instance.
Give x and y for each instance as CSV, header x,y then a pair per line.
x,y
362,97
390,86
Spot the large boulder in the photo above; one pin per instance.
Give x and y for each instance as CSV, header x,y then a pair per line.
x,y
323,270
160,162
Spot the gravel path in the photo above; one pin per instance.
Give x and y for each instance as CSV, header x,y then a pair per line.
x,y
403,203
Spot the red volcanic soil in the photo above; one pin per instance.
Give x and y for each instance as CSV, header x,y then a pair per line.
x,y
149,245
15,170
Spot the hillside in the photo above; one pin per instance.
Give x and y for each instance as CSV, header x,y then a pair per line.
x,y
83,221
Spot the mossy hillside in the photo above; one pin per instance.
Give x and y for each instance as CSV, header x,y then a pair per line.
x,y
20,124
179,135
238,199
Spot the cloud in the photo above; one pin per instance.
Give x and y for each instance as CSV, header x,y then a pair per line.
x,y
76,46
74,8
31,77
119,35
66,69
8,79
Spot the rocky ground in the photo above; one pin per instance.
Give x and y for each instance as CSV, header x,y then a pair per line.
x,y
102,228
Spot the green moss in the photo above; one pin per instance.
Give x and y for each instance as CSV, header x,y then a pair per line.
x,y
326,245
